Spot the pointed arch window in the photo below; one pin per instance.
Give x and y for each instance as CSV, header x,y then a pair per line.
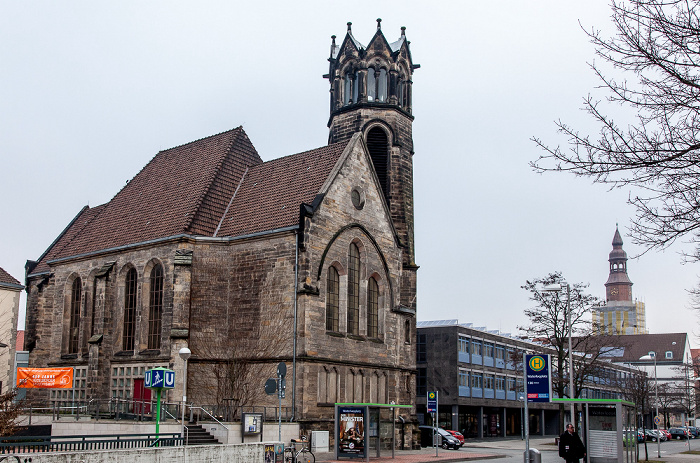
x,y
376,84
129,310
381,85
354,290
371,85
332,299
155,314
74,325
372,308
407,332
378,146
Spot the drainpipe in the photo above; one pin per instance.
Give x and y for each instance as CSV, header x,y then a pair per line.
x,y
294,345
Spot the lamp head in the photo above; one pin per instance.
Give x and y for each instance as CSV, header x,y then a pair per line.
x,y
185,353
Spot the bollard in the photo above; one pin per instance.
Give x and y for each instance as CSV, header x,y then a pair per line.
x,y
535,456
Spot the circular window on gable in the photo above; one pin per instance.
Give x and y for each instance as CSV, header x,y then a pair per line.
x,y
358,198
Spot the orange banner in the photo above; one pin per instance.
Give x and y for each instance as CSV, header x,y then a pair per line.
x,y
45,378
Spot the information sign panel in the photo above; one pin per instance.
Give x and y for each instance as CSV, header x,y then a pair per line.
x,y
538,377
432,401
159,378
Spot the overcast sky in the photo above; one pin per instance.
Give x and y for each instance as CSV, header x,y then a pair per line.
x,y
91,91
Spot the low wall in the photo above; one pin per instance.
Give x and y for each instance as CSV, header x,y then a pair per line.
x,y
232,453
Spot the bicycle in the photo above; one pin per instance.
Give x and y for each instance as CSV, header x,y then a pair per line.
x,y
303,455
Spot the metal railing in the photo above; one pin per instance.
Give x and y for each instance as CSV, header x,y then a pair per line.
x,y
144,410
25,444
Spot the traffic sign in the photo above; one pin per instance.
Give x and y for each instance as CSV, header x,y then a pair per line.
x,y
657,420
538,377
432,401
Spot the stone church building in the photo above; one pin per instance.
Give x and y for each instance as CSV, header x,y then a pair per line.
x,y
306,259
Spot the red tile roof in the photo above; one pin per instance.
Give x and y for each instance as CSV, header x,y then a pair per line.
x,y
189,188
271,193
8,279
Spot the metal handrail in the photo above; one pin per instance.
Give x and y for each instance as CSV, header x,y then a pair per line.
x,y
210,415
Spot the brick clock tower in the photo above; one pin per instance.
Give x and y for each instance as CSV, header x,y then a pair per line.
x,y
371,93
621,314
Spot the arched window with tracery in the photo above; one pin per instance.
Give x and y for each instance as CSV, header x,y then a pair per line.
x,y
372,308
129,326
354,290
155,313
74,324
332,299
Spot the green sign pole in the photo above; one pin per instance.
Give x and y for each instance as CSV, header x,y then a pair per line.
x,y
158,391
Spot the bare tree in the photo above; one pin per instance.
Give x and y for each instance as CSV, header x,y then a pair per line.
x,y
548,324
231,374
657,152
635,387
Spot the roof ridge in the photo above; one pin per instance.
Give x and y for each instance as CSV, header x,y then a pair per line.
x,y
228,206
205,192
271,161
240,127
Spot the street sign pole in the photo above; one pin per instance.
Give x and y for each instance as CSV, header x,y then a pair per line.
x,y
432,407
527,414
158,415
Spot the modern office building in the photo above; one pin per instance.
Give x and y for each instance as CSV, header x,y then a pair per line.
x,y
478,376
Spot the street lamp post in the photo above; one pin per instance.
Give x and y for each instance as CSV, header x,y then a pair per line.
x,y
184,355
556,287
650,356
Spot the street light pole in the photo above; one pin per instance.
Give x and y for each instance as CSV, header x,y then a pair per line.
x,y
556,287
184,355
649,356
571,363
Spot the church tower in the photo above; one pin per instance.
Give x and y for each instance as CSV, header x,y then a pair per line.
x,y
621,314
370,92
618,287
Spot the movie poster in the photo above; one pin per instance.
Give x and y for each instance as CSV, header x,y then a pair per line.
x,y
269,453
351,432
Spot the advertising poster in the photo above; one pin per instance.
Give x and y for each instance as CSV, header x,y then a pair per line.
x,y
270,453
49,378
279,453
351,432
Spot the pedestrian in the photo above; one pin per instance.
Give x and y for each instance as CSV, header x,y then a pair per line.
x,y
571,448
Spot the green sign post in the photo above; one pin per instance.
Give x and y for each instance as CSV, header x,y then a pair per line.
x,y
158,379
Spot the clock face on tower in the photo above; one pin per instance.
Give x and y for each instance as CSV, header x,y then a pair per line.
x,y
614,292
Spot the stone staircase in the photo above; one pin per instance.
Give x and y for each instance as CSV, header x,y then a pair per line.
x,y
197,435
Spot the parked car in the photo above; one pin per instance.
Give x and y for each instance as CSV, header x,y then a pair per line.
x,y
654,435
694,431
679,433
457,434
666,433
640,436
448,441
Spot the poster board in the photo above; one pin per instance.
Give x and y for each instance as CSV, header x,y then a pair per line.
x,y
350,437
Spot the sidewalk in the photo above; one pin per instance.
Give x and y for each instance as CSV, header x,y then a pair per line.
x,y
472,450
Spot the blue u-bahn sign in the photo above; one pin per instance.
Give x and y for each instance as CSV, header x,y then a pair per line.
x,y
539,378
159,378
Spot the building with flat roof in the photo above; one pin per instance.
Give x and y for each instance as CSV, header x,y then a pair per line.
x,y
479,380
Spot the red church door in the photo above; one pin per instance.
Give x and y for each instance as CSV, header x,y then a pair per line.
x,y
142,397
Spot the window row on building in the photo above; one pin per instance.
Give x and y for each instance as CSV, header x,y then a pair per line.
x,y
80,321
